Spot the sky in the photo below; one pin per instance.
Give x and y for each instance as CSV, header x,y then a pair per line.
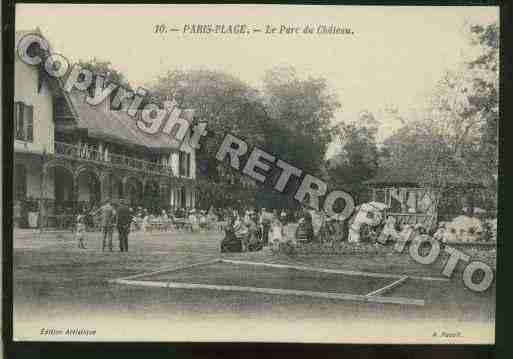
x,y
393,59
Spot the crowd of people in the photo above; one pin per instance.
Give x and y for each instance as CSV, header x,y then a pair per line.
x,y
251,229
247,229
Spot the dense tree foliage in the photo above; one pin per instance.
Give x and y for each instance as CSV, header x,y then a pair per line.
x,y
357,158
290,118
300,111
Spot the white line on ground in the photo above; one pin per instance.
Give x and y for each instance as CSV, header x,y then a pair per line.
x,y
171,269
335,271
388,287
338,296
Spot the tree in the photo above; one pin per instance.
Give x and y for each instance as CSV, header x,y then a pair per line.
x,y
465,112
299,129
357,158
301,111
228,105
290,118
456,143
99,67
484,100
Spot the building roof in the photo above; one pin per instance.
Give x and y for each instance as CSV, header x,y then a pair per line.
x,y
416,175
116,126
102,123
397,176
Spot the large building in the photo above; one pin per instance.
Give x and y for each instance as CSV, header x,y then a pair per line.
x,y
69,155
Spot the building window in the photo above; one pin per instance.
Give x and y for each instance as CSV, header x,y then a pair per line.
x,y
184,164
23,122
184,160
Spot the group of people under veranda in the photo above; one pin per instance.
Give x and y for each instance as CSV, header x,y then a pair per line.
x,y
147,220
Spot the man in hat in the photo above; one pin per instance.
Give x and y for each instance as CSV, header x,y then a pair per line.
x,y
265,222
123,224
107,223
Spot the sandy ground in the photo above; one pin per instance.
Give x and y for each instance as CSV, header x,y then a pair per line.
x,y
58,286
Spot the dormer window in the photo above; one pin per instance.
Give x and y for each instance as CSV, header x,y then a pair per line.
x,y
23,122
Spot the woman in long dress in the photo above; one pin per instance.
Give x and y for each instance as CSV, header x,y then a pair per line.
x,y
277,233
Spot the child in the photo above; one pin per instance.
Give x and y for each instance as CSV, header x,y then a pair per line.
x,y
277,233
203,220
193,221
146,222
80,231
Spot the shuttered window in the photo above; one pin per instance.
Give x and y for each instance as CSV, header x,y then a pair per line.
x,y
23,122
18,120
29,123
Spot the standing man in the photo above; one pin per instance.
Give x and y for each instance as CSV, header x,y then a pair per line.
x,y
265,222
107,223
124,221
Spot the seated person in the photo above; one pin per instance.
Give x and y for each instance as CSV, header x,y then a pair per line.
x,y
254,242
230,243
304,231
241,232
440,234
389,232
301,231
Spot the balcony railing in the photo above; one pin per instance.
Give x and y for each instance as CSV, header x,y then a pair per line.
x,y
85,153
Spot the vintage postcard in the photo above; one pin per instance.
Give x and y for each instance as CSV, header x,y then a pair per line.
x,y
255,173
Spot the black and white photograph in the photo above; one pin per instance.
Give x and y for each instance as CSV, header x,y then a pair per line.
x,y
255,173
